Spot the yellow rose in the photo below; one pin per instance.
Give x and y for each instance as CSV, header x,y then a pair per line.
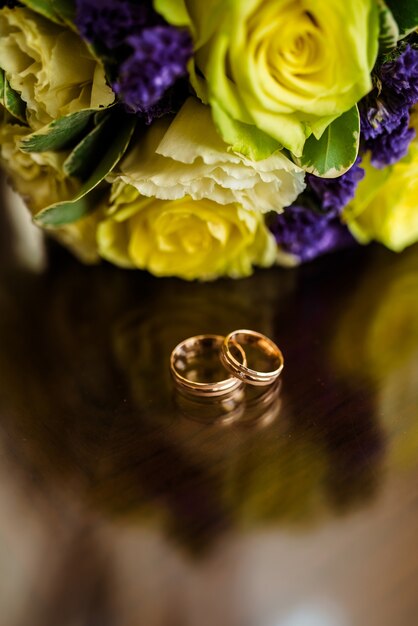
x,y
49,66
385,207
186,238
286,67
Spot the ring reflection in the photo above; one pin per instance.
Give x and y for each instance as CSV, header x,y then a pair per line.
x,y
244,406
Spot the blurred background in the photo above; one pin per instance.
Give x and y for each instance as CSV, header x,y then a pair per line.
x,y
118,510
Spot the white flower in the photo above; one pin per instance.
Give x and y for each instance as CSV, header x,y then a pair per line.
x,y
187,157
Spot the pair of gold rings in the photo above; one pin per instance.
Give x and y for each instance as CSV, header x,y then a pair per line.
x,y
232,352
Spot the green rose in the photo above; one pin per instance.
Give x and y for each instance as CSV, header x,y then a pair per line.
x,y
287,68
186,238
50,67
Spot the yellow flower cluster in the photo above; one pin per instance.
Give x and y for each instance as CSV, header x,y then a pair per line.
x,y
273,88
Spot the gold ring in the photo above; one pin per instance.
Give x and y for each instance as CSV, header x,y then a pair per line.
x,y
241,370
193,347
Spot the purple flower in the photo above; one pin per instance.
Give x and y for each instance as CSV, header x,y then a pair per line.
x,y
147,56
378,117
400,77
307,234
384,114
386,134
388,148
159,59
333,194
109,22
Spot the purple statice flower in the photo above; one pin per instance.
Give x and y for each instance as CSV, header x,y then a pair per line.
x,y
378,117
384,114
159,58
108,23
386,133
307,234
400,77
333,194
389,148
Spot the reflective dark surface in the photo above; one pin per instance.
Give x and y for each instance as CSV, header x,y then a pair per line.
x,y
116,510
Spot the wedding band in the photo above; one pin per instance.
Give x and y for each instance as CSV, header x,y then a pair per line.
x,y
194,347
241,370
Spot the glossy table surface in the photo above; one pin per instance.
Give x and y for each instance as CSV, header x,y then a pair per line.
x,y
117,510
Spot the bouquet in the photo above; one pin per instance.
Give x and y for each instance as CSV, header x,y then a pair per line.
x,y
202,138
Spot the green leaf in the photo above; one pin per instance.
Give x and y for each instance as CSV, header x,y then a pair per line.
x,y
405,13
335,152
11,100
72,210
65,9
81,161
58,11
59,134
45,8
389,31
243,138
